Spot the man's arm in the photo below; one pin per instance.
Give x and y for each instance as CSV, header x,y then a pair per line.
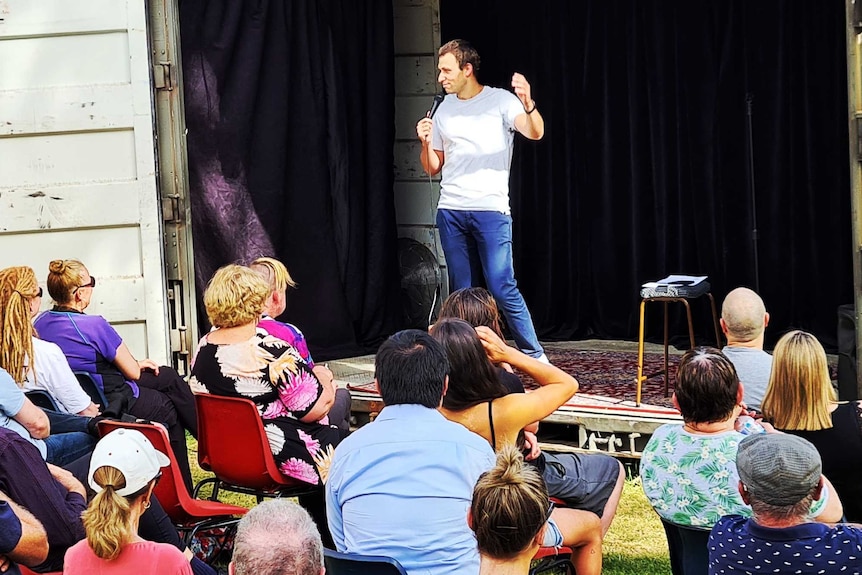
x,y
34,420
432,160
530,123
32,545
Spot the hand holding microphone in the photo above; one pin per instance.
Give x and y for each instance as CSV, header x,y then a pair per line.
x,y
423,128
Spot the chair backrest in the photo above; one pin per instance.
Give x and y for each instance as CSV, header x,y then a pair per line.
x,y
232,443
688,546
171,489
91,388
349,564
42,398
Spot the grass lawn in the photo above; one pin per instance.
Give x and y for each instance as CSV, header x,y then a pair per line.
x,y
635,543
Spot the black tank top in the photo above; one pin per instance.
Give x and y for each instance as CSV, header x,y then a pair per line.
x,y
840,449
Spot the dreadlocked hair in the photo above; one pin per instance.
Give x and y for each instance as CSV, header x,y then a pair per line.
x,y
17,287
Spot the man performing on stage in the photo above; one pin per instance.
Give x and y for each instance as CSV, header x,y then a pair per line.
x,y
471,140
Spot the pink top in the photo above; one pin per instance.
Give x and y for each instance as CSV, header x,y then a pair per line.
x,y
143,558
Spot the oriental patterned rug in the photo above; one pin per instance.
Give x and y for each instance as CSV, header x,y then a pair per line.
x,y
613,374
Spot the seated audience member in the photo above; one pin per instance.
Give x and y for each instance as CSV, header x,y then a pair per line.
x,y
592,482
277,537
800,400
56,498
509,515
32,362
743,321
401,485
276,275
124,470
139,388
780,477
688,471
278,278
22,537
477,400
238,359
58,444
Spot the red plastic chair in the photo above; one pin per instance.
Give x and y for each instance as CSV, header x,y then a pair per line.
x,y
232,443
189,515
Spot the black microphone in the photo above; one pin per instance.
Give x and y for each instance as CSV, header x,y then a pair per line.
x,y
438,99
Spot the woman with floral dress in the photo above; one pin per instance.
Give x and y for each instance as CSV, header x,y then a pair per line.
x,y
299,406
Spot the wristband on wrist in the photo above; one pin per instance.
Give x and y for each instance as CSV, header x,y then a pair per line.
x,y
533,108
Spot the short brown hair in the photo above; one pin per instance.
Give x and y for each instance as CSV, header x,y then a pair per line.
x,y
475,305
235,296
706,386
463,51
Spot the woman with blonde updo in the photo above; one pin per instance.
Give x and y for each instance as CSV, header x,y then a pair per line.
x,y
240,359
509,515
124,470
34,363
800,400
139,388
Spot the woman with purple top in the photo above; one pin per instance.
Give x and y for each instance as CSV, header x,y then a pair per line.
x,y
139,388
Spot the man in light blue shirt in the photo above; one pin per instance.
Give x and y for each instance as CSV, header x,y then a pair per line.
x,y
401,486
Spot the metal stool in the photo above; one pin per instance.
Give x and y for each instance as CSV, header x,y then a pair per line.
x,y
667,299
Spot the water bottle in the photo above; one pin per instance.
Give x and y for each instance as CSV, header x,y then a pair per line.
x,y
747,425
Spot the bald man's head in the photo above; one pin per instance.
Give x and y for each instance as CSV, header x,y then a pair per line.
x,y
743,315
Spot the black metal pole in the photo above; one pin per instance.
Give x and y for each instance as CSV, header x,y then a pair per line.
x,y
749,98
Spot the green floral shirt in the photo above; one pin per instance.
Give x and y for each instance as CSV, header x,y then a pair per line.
x,y
692,479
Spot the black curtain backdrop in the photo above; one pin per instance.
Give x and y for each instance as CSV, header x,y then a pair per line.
x,y
290,112
643,170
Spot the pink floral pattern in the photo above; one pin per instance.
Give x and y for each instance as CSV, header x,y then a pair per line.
x,y
311,444
303,390
273,374
300,470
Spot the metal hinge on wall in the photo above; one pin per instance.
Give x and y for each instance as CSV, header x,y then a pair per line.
x,y
164,76
179,350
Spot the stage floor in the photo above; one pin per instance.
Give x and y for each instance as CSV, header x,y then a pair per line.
x,y
610,423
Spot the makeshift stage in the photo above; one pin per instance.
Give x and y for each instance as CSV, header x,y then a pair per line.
x,y
602,415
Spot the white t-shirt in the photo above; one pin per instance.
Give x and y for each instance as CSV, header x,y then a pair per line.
x,y
476,138
54,375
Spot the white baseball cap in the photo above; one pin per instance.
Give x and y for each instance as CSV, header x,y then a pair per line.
x,y
130,452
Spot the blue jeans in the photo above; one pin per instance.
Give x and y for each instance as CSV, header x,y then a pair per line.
x,y
69,439
479,243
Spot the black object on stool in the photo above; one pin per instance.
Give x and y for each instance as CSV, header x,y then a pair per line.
x,y
666,295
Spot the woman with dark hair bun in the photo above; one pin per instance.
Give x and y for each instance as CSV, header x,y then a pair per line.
x,y
591,482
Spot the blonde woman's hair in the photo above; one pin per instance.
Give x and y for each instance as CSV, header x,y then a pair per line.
x,y
275,273
107,519
799,392
64,277
17,287
235,296
510,506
